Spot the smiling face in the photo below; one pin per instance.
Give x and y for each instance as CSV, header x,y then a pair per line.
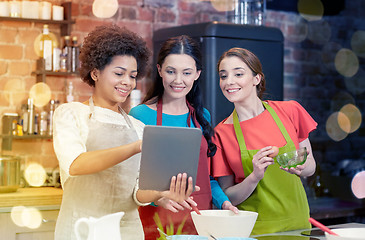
x,y
237,81
178,73
114,83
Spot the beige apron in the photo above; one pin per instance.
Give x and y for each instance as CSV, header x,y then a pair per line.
x,y
105,192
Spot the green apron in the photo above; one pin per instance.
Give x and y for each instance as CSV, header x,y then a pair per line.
x,y
279,198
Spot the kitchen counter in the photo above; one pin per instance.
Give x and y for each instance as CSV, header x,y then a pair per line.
x,y
296,234
329,208
47,197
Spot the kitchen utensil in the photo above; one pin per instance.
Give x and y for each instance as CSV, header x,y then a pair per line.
x,y
195,208
292,159
224,223
106,227
285,237
186,237
321,226
158,229
347,234
9,173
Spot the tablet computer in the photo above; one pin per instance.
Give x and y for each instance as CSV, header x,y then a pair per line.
x,y
166,152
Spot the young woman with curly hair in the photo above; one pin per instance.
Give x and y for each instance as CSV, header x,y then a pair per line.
x,y
98,144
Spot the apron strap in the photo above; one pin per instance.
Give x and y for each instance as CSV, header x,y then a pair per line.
x,y
277,121
190,116
239,135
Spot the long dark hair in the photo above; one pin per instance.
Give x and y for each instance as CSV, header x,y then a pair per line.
x,y
184,45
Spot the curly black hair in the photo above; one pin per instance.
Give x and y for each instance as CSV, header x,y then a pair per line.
x,y
107,41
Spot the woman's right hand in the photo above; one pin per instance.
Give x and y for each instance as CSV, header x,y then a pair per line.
x,y
261,161
174,206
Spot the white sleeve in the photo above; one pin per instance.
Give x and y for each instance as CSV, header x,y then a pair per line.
x,y
68,138
135,190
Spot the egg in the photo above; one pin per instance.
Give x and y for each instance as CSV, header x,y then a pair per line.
x,y
275,153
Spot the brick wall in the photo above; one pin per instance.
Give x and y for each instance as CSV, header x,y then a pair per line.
x,y
309,73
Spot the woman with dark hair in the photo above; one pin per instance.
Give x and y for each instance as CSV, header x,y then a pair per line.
x,y
244,164
175,100
98,145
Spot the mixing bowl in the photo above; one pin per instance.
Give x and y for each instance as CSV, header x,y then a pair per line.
x,y
224,223
186,237
292,159
347,234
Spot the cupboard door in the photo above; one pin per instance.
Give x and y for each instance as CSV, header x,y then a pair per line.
x,y
11,231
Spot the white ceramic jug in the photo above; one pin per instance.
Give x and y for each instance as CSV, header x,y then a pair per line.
x,y
106,227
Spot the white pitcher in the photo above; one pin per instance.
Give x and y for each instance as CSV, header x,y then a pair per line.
x,y
106,227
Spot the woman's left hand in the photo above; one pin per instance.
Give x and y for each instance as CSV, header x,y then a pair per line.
x,y
297,170
179,192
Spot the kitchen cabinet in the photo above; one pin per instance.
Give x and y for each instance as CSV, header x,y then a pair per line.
x,y
10,231
45,199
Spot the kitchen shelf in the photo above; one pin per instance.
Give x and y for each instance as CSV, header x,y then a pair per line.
x,y
41,74
7,142
35,136
65,24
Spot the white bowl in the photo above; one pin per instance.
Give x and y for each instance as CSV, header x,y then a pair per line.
x,y
186,237
347,234
224,223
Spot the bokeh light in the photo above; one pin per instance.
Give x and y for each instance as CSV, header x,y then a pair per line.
x,y
37,43
358,43
16,215
333,129
356,84
358,185
346,62
41,94
105,8
35,174
29,217
311,10
353,115
14,91
328,54
224,5
341,99
319,32
32,218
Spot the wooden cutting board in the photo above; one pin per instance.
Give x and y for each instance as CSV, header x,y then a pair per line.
x,y
32,197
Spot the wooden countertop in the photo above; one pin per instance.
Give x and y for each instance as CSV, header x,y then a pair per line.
x,y
32,197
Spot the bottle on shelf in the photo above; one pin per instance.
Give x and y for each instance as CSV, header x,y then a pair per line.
x,y
75,50
52,107
30,127
56,59
69,92
36,124
46,48
66,51
43,123
24,118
